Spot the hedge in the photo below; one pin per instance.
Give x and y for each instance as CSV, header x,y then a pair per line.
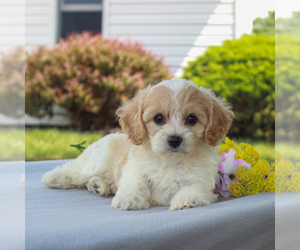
x,y
287,88
242,71
89,76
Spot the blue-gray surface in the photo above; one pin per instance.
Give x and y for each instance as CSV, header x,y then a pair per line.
x,y
12,206
77,219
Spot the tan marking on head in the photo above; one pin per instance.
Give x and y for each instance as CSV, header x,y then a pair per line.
x,y
211,111
158,101
220,118
130,118
193,101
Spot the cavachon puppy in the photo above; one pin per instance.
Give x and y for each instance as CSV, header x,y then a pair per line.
x,y
166,156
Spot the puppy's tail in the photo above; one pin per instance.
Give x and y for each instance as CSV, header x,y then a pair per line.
x,y
66,176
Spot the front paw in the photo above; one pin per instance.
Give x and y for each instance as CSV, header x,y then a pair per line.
x,y
98,186
129,202
181,201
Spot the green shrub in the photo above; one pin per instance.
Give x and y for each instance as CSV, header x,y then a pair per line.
x,y
12,96
265,25
289,25
242,71
89,76
287,88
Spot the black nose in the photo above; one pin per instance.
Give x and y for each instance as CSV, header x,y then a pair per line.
x,y
174,141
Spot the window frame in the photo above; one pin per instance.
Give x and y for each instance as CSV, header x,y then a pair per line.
x,y
80,7
62,7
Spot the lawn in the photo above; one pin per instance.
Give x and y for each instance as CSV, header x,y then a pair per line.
x,y
266,149
12,146
52,144
289,150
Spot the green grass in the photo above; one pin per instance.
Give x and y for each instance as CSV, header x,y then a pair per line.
x,y
266,149
12,144
53,144
289,150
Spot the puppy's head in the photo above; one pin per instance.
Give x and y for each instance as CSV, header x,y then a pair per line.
x,y
175,116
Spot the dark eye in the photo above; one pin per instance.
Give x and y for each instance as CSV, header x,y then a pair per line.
x,y
159,119
191,119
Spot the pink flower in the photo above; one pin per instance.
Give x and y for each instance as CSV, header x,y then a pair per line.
x,y
222,185
226,176
229,164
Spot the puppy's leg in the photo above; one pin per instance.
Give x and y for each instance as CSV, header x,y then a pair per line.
x,y
192,196
133,193
94,161
132,199
66,176
98,186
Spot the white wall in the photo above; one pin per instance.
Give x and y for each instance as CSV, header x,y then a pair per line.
x,y
12,24
41,22
284,8
31,23
177,29
248,10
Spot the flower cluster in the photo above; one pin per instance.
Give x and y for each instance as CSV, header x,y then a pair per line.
x,y
226,174
259,178
287,175
243,172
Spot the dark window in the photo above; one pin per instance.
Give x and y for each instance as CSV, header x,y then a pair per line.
x,y
80,15
83,1
79,21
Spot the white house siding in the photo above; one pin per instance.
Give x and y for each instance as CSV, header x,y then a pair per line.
x,y
176,29
12,24
27,22
41,23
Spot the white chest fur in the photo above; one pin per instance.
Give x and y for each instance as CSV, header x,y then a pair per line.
x,y
166,181
166,178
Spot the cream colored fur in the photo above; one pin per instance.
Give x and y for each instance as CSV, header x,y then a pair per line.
x,y
140,167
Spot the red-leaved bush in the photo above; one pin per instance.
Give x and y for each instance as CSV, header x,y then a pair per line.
x,y
12,67
89,76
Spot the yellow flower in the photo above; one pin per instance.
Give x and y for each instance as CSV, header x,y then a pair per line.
x,y
270,183
273,167
284,171
298,167
242,173
262,168
228,144
250,151
242,155
263,176
237,189
252,187
295,177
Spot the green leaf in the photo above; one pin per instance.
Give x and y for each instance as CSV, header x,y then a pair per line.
x,y
79,146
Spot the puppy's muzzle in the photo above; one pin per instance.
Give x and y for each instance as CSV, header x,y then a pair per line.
x,y
174,141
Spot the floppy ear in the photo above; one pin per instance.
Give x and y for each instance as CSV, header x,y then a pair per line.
x,y
130,118
219,121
